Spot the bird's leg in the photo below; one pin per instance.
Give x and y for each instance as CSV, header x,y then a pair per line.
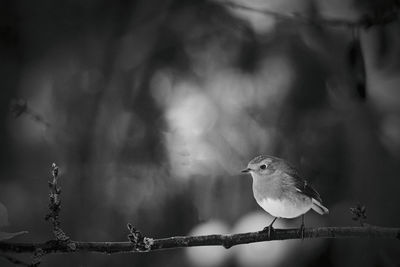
x,y
302,227
269,228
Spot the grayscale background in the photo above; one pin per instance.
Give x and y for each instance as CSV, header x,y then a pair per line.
x,y
151,109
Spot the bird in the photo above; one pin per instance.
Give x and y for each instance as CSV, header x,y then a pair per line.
x,y
279,189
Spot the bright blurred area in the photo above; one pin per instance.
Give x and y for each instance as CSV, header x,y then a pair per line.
x,y
152,108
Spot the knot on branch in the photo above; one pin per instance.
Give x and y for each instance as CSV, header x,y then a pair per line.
x,y
227,244
140,242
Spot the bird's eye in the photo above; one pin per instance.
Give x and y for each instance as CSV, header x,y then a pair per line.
x,y
263,167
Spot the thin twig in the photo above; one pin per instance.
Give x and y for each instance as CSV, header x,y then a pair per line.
x,y
226,241
365,21
55,208
20,107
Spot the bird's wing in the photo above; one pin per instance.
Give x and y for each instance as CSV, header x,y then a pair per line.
x,y
300,184
303,187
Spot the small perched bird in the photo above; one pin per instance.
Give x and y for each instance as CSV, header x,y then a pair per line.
x,y
280,191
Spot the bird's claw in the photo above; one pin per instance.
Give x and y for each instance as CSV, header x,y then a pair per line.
x,y
302,230
268,230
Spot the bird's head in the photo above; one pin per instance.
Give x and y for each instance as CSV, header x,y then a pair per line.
x,y
261,166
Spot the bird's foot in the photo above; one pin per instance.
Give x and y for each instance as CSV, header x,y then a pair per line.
x,y
302,229
268,229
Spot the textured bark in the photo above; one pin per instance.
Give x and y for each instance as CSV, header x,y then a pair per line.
x,y
226,241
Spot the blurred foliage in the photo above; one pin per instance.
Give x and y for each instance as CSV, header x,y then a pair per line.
x,y
151,108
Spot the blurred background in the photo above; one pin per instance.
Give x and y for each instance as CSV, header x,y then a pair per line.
x,y
151,109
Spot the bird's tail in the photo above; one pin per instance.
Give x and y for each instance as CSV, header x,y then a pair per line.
x,y
318,207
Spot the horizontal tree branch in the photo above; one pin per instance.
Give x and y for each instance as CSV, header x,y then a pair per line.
x,y
226,241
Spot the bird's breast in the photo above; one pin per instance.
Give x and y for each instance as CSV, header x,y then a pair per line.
x,y
278,197
285,208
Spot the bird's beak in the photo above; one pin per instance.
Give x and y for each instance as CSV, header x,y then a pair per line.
x,y
247,170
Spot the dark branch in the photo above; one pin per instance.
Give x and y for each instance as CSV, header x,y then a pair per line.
x,y
226,241
365,21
